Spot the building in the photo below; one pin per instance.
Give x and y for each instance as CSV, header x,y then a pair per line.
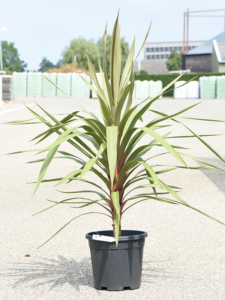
x,y
218,57
156,55
203,58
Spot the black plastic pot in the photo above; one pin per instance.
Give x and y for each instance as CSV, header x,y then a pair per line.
x,y
116,268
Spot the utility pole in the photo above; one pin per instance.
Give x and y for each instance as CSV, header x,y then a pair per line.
x,y
187,29
188,14
2,29
184,34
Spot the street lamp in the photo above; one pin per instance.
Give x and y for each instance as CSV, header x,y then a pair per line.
x,y
2,29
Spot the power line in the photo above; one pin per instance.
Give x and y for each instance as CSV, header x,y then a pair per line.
x,y
186,23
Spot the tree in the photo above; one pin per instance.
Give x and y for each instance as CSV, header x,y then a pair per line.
x,y
11,58
79,48
46,65
143,72
124,51
174,63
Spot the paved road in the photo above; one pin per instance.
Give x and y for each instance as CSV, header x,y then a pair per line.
x,y
184,253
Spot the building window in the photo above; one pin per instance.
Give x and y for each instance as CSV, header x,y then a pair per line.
x,y
180,48
152,49
148,56
157,56
152,56
189,47
170,48
175,48
167,55
147,49
161,49
157,49
162,56
166,49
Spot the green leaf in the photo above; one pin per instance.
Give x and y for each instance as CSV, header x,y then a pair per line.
x,y
92,161
61,139
116,203
126,167
200,160
112,137
90,114
196,135
109,90
94,77
115,61
64,128
104,87
68,224
161,140
128,67
151,172
171,83
91,183
129,101
192,136
144,41
201,140
69,176
45,166
22,151
86,191
199,119
121,103
171,116
171,191
153,198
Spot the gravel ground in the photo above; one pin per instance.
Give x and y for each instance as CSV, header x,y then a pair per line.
x,y
184,256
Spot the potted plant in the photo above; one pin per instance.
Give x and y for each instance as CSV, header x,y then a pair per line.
x,y
113,151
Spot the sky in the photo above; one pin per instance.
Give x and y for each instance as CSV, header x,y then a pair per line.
x,y
43,28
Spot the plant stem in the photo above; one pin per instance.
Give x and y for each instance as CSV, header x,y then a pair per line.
x,y
114,230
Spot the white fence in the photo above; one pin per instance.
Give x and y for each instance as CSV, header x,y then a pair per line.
x,y
145,89
36,85
208,87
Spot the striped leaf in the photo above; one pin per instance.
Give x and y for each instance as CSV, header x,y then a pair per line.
x,y
112,137
116,204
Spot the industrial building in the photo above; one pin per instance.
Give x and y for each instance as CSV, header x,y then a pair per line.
x,y
156,55
208,57
218,57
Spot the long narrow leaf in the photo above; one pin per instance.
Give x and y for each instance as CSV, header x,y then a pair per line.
x,y
116,203
112,136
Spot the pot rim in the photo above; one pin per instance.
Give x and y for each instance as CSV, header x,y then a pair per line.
x,y
129,235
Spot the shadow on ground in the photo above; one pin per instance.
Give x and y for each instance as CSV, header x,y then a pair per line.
x,y
52,272
150,274
215,175
60,271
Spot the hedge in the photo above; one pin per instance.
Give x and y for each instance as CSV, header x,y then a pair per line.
x,y
166,79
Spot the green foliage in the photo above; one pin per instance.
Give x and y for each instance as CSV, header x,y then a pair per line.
x,y
11,58
142,72
167,78
124,51
114,148
8,72
80,48
174,63
46,65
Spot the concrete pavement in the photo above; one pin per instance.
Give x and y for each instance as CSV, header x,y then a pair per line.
x,y
184,256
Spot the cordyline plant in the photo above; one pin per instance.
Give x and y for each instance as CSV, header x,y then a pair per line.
x,y
116,138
